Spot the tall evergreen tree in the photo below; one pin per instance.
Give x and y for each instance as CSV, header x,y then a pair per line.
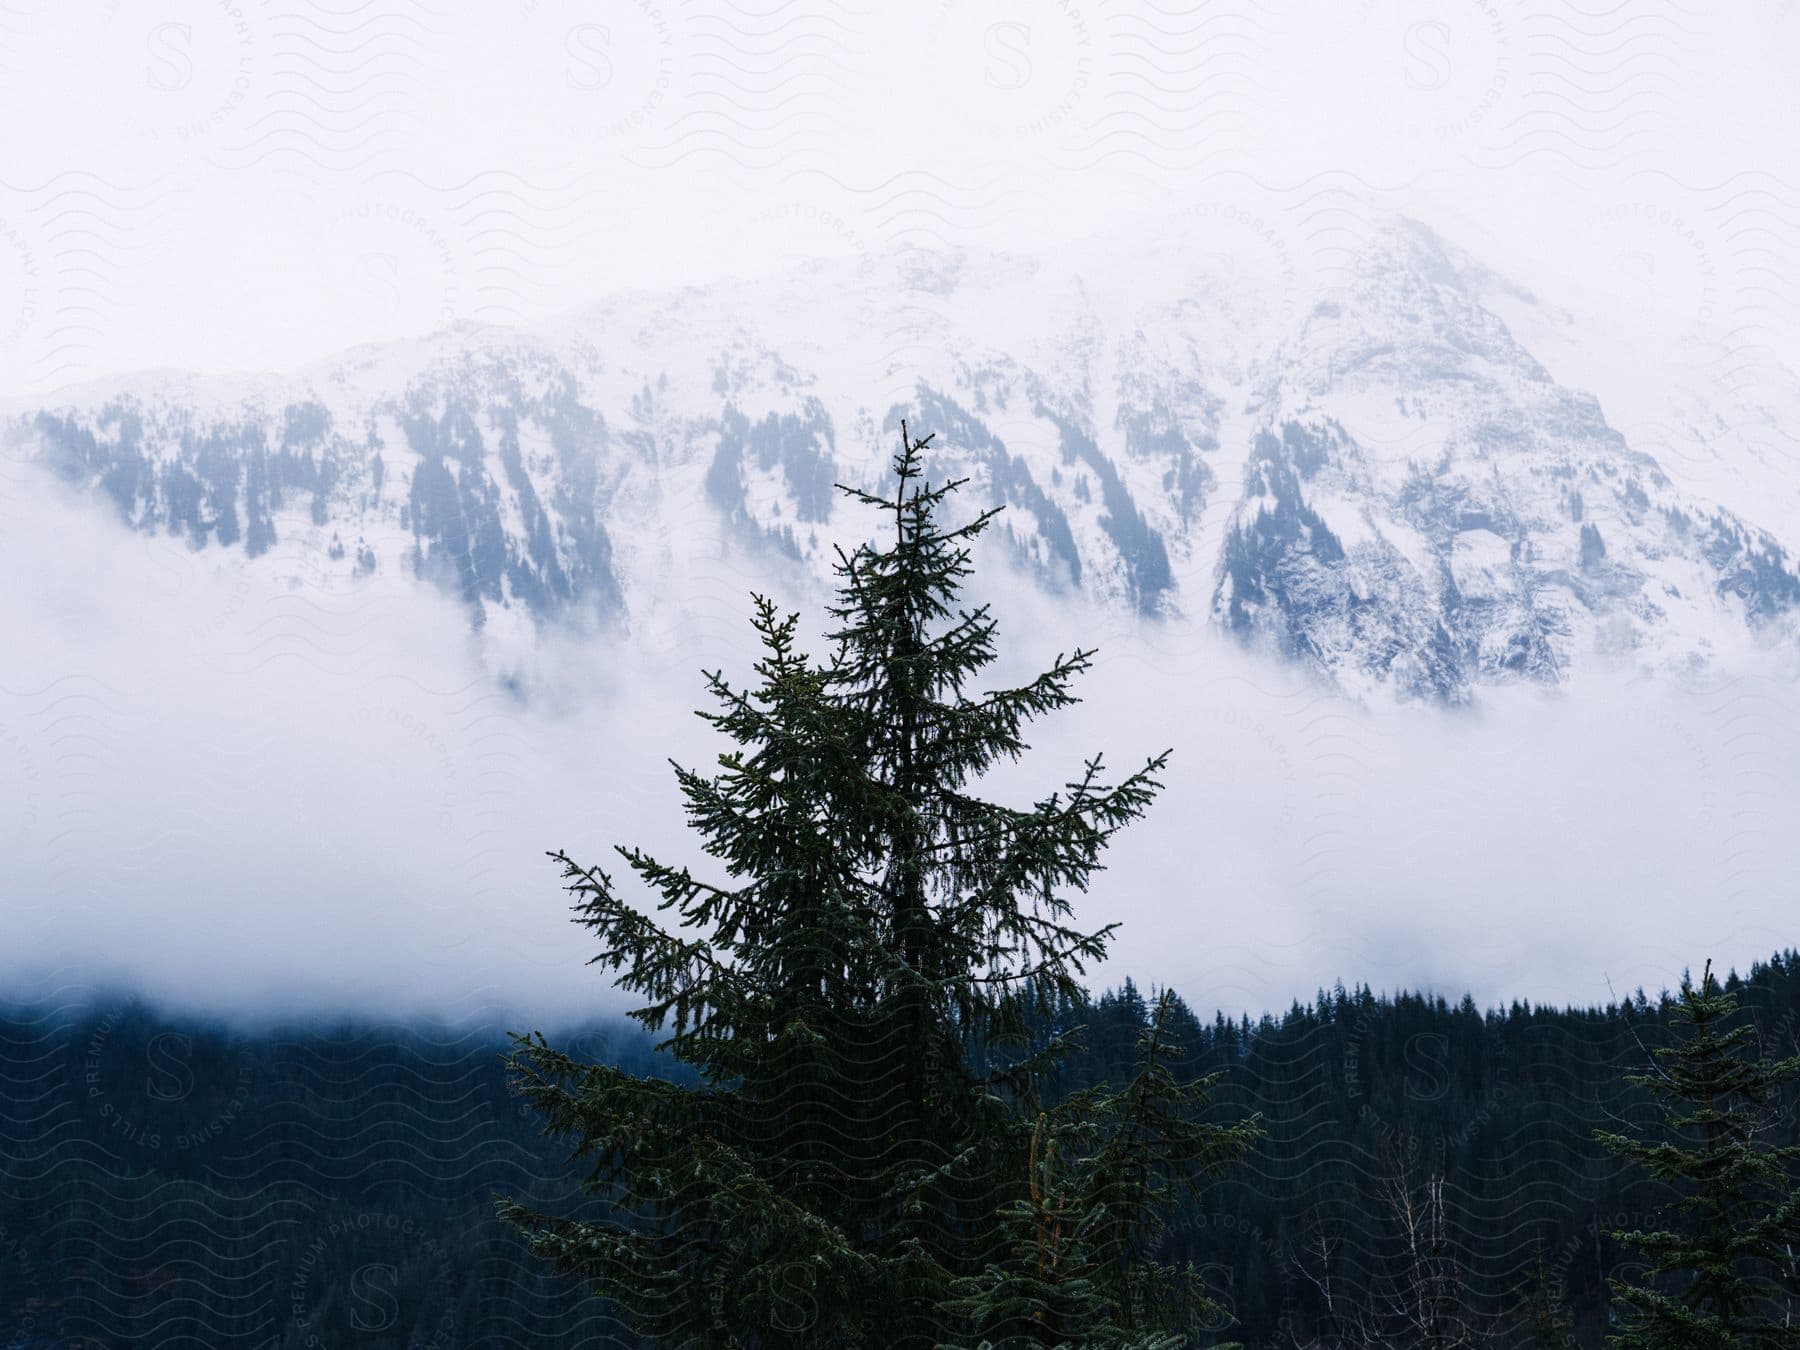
x,y
1722,1270
872,998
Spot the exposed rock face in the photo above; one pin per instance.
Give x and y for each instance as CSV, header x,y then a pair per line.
x,y
1390,488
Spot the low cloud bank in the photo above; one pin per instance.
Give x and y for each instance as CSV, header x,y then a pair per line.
x,y
243,792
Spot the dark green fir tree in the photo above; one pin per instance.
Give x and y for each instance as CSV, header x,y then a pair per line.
x,y
871,987
1548,1325
1720,1272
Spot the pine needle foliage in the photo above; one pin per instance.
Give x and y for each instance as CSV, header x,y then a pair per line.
x,y
1721,1273
861,985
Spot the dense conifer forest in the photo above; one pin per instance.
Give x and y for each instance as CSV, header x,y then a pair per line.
x,y
164,1182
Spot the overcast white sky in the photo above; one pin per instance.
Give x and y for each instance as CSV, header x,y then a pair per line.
x,y
245,185
250,186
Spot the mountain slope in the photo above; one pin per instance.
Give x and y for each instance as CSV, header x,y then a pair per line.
x,y
1387,488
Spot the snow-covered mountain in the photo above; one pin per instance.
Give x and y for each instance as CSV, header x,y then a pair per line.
x,y
1375,479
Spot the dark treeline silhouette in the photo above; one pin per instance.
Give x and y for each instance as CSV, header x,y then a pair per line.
x,y
1429,1175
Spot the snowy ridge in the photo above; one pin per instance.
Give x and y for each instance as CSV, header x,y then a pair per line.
x,y
1380,482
